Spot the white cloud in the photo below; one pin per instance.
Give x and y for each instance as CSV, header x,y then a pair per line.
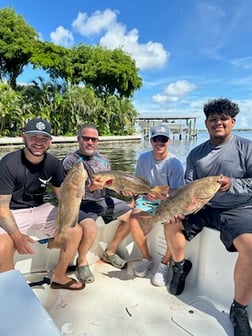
x,y
244,62
95,24
114,34
173,92
62,36
150,55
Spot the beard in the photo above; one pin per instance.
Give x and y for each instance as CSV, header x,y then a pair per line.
x,y
88,152
35,152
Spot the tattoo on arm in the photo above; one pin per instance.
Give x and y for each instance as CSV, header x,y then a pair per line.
x,y
7,220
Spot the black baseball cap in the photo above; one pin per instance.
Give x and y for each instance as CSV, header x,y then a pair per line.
x,y
38,126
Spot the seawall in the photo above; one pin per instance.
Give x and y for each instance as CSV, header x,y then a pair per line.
x,y
16,141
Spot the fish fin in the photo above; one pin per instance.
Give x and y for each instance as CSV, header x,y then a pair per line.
x,y
141,214
160,191
74,222
114,186
195,206
59,242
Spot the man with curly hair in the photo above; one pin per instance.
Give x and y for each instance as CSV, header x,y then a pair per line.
x,y
230,211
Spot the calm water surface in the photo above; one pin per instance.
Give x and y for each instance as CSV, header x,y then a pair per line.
x,y
123,156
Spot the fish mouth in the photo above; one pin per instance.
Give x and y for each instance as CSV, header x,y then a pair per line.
x,y
110,181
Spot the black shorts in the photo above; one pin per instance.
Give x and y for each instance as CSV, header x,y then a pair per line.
x,y
109,208
230,222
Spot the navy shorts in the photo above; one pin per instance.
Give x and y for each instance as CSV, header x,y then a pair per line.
x,y
109,208
230,222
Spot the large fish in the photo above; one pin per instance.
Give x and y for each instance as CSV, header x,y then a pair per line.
x,y
120,181
184,201
72,192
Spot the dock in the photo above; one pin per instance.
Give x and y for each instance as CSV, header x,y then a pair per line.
x,y
183,125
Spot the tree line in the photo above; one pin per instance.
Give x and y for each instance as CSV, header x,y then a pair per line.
x,y
87,84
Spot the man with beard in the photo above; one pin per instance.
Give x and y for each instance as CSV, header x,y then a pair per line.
x,y
24,176
96,203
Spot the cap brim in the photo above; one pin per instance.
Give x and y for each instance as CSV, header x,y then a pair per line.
x,y
39,132
157,134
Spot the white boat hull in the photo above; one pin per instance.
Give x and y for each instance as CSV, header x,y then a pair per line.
x,y
119,303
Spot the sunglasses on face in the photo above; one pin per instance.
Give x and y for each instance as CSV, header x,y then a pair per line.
x,y
160,138
86,139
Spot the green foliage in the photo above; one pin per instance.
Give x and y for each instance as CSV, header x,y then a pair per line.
x,y
13,111
109,72
88,84
16,45
55,60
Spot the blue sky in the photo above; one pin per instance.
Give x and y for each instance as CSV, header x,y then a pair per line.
x,y
188,51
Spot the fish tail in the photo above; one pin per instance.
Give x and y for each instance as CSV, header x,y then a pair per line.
x,y
59,241
160,191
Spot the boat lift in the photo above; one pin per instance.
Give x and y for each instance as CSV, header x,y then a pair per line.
x,y
179,124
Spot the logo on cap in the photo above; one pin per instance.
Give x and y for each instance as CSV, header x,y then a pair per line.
x,y
40,126
161,129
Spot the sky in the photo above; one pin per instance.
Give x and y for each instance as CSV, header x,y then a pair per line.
x,y
187,51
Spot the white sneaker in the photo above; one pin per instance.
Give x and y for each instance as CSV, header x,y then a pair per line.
x,y
161,275
143,267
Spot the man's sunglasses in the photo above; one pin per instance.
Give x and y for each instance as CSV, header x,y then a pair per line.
x,y
86,138
160,138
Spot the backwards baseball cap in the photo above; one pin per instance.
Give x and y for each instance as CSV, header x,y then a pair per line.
x,y
38,126
161,130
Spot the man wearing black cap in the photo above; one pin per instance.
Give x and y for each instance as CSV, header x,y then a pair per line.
x,y
24,176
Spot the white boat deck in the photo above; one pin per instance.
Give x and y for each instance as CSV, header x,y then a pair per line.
x,y
118,303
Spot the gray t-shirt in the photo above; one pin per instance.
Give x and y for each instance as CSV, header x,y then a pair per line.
x,y
165,172
232,159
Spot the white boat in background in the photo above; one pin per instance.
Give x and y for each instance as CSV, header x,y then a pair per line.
x,y
118,303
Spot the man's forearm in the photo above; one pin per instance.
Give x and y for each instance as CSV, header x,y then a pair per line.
x,y
7,220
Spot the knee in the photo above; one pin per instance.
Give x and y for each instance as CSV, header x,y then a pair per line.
x,y
243,244
78,230
7,249
125,217
89,227
134,225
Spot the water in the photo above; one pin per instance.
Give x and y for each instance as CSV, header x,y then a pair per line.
x,y
123,156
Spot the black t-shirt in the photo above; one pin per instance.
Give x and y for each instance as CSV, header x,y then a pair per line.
x,y
27,182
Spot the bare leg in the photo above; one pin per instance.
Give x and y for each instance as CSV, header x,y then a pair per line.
x,y
139,238
167,257
175,240
7,251
73,240
243,269
122,232
89,234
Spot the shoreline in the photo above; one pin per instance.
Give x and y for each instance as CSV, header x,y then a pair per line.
x,y
16,141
